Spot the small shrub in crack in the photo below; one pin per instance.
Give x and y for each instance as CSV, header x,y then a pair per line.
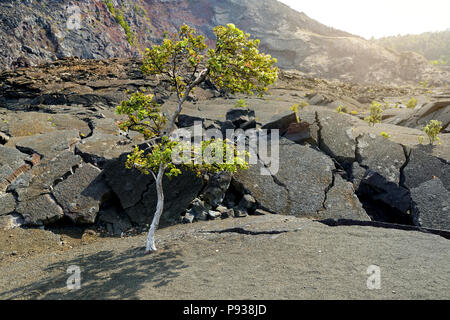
x,y
376,113
432,129
294,108
241,103
342,109
412,103
385,135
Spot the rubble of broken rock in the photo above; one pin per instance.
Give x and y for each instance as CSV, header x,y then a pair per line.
x,y
62,155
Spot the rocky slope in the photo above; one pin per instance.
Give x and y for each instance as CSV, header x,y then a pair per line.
x,y
39,31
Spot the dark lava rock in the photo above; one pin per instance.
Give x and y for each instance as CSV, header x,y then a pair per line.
x,y
128,184
337,138
247,202
7,203
298,188
431,205
102,147
439,110
423,167
381,155
342,202
178,193
119,222
215,190
50,171
82,194
240,212
48,144
240,117
40,210
199,209
379,189
11,157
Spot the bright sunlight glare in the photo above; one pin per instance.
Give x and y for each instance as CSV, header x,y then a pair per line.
x,y
378,18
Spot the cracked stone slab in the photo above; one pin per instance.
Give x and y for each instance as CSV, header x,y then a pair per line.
x,y
381,155
45,175
5,172
342,202
82,194
20,124
128,184
105,126
337,138
48,144
307,173
433,110
431,205
40,210
102,147
22,182
423,167
298,188
11,157
7,203
270,195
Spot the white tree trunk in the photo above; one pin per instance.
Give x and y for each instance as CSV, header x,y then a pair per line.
x,y
150,246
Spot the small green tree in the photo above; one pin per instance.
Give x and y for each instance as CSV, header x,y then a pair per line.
x,y
303,104
376,113
185,61
385,135
294,108
342,109
412,103
424,84
432,129
241,103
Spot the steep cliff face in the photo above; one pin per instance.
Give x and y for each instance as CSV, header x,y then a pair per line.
x,y
33,32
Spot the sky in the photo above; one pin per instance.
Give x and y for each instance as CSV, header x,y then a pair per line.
x,y
378,18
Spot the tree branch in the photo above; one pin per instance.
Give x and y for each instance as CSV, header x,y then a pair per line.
x,y
201,77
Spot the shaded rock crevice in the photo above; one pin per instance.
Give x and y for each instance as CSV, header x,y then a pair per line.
x,y
407,152
358,157
319,131
248,232
4,138
327,189
385,225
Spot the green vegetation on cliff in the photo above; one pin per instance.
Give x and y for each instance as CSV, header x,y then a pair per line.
x,y
120,19
435,46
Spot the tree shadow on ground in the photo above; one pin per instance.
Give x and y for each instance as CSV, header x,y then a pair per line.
x,y
105,275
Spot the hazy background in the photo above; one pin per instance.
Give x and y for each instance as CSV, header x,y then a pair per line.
x,y
378,18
